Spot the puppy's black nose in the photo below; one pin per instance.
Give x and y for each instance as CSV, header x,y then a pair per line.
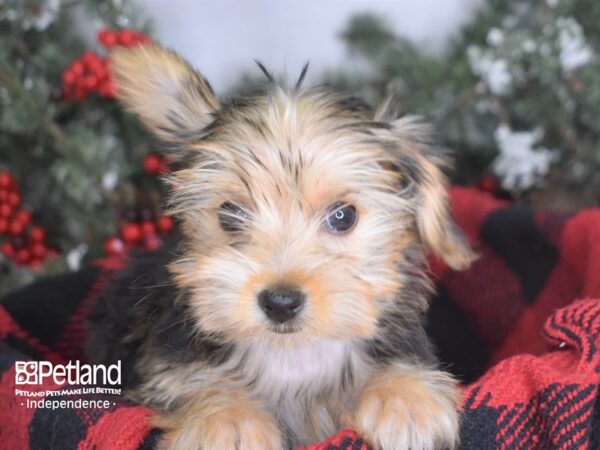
x,y
281,304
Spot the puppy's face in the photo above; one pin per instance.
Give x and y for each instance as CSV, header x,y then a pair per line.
x,y
298,208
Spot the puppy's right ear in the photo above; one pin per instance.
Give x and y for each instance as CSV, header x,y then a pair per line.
x,y
170,97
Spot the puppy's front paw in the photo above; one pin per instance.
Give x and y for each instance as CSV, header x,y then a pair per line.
x,y
401,409
210,426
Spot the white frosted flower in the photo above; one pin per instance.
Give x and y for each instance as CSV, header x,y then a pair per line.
x,y
109,180
528,46
495,37
44,16
498,77
574,50
75,256
519,165
494,72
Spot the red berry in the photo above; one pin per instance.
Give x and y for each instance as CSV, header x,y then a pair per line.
x,y
22,256
77,69
24,217
38,250
37,234
3,225
5,210
142,39
165,224
107,38
68,77
131,233
8,249
148,228
126,38
3,195
16,228
152,242
101,72
107,89
114,246
96,69
155,164
6,180
90,82
89,58
13,199
152,163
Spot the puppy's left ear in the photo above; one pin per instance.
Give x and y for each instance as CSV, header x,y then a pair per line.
x,y
168,95
434,220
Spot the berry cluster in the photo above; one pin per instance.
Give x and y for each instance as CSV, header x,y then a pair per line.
x,y
26,244
85,75
90,73
155,164
125,38
146,233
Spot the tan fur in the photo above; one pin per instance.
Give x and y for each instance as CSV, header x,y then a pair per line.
x,y
178,389
162,89
433,218
408,408
214,419
286,159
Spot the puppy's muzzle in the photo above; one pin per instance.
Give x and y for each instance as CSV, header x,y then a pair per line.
x,y
281,304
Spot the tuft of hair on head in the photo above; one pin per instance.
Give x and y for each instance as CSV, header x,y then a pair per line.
x,y
389,109
268,75
302,76
168,95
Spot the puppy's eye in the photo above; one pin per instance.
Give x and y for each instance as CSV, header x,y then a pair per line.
x,y
232,217
340,218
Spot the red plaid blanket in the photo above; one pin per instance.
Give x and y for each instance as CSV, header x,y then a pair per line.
x,y
520,328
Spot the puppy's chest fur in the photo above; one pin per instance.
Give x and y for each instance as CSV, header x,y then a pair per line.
x,y
306,387
313,371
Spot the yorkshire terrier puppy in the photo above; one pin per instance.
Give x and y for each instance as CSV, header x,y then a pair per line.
x,y
292,304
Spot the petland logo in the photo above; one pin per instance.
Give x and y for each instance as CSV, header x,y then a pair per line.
x,y
37,372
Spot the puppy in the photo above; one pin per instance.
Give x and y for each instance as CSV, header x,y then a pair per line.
x,y
292,304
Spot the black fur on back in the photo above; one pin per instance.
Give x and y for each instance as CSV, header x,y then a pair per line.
x,y
142,312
